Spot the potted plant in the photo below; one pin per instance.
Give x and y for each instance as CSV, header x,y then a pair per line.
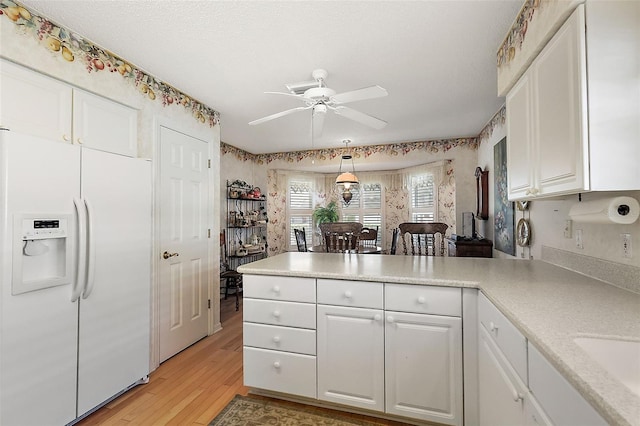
x,y
329,213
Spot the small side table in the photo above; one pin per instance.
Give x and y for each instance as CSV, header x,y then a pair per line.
x,y
470,248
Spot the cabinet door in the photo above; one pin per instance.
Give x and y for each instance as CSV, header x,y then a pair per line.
x,y
559,84
102,124
351,356
423,367
520,158
501,394
34,104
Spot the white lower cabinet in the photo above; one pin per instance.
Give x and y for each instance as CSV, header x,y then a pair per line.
x,y
501,392
279,334
423,367
561,402
351,356
405,362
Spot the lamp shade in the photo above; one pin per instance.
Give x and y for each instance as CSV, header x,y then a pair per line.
x,y
346,177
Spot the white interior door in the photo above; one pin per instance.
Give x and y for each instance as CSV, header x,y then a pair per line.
x,y
183,228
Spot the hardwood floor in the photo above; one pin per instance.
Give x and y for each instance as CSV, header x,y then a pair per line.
x,y
192,387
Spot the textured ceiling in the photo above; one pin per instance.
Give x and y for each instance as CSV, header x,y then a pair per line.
x,y
435,58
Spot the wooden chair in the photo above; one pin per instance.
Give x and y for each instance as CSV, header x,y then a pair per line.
x,y
369,237
339,227
394,241
425,239
301,239
341,242
232,279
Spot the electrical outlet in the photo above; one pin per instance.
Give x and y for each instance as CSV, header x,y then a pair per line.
x,y
579,244
567,228
626,246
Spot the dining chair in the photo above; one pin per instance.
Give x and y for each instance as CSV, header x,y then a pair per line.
x,y
301,239
341,242
394,240
232,279
424,239
368,237
339,227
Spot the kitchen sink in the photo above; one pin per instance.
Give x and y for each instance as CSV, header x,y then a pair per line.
x,y
621,358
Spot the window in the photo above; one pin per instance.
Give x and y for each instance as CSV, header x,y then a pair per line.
x,y
366,207
300,208
424,198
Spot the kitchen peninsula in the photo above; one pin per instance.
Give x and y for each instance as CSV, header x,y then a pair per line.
x,y
548,305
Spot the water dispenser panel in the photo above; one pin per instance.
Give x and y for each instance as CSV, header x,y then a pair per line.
x,y
41,252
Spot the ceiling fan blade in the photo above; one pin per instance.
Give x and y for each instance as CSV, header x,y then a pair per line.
x,y
370,92
360,117
277,115
318,121
302,98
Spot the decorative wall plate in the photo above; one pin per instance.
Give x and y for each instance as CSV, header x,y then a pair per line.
x,y
523,232
522,205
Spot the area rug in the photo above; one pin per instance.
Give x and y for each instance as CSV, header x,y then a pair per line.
x,y
248,411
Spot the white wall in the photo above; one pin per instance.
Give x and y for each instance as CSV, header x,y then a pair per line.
x,y
548,217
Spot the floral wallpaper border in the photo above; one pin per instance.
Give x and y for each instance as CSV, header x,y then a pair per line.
x,y
499,119
432,146
73,47
517,33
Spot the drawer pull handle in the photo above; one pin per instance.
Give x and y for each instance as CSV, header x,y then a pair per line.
x,y
421,300
66,138
517,397
347,294
377,317
276,364
276,289
276,314
492,326
390,319
276,339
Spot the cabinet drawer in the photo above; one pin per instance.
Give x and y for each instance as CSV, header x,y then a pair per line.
x,y
423,299
361,294
278,338
561,402
293,289
291,314
510,341
280,371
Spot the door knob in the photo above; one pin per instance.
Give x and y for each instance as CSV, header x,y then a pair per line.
x,y
167,255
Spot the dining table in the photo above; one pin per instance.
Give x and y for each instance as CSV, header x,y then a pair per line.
x,y
362,249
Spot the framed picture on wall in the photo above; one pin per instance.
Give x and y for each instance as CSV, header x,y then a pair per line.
x,y
504,210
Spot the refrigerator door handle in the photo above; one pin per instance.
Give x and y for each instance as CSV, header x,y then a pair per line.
x,y
79,283
91,252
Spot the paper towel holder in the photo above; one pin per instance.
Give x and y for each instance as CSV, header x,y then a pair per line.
x,y
622,210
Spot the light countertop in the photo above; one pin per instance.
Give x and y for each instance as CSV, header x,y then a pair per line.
x,y
548,304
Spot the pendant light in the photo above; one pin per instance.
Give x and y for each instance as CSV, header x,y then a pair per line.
x,y
346,182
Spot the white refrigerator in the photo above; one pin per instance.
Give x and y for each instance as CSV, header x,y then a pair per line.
x,y
75,265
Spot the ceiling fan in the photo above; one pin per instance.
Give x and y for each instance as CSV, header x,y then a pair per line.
x,y
319,98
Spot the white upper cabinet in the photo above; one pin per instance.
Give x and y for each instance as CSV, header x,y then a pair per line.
x,y
572,118
35,104
103,124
